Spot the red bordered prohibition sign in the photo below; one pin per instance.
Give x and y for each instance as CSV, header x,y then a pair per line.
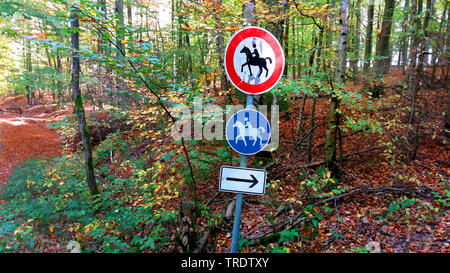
x,y
259,77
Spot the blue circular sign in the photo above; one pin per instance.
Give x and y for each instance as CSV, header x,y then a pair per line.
x,y
248,131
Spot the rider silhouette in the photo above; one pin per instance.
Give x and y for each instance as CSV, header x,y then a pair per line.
x,y
247,125
255,53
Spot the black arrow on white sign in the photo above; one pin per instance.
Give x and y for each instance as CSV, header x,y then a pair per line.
x,y
254,181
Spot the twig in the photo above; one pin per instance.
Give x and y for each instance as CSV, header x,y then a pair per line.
x,y
318,163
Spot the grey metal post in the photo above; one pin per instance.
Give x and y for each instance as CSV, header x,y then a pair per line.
x,y
238,208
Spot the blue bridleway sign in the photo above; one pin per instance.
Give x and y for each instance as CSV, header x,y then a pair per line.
x,y
248,131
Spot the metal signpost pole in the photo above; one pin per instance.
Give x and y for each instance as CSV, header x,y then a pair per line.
x,y
243,51
238,208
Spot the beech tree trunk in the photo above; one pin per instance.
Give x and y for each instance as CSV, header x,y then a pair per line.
x,y
424,42
369,31
333,116
78,103
356,41
216,4
446,79
405,42
382,49
60,83
29,68
120,31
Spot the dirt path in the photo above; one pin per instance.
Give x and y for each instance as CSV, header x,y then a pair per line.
x,y
25,136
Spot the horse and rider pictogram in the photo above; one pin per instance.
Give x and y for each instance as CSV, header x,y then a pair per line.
x,y
254,59
248,131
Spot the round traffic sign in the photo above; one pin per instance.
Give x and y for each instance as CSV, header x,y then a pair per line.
x,y
254,60
248,131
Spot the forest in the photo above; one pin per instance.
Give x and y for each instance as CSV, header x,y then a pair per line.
x,y
113,126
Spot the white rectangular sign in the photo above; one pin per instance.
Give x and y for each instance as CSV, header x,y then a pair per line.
x,y
242,180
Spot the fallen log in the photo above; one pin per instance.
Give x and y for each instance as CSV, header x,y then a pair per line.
x,y
229,211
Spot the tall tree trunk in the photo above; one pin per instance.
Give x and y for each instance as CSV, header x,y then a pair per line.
x,y
216,5
249,13
329,37
424,40
369,33
311,134
294,49
356,41
405,41
440,40
29,68
285,38
412,72
180,60
447,46
382,49
333,116
446,78
78,103
120,28
60,83
130,14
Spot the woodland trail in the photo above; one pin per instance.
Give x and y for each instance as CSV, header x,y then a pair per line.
x,y
24,135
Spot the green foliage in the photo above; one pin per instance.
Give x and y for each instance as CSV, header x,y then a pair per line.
x,y
288,235
244,243
123,219
359,250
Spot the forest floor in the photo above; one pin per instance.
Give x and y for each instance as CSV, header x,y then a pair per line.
x,y
24,135
390,205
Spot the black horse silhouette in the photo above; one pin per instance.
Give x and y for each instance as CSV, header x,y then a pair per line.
x,y
256,61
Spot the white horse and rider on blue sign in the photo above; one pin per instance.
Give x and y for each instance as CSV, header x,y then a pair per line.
x,y
248,131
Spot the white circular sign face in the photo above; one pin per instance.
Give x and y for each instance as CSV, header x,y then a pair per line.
x,y
254,72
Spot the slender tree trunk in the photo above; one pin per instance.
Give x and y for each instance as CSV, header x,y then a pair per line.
x,y
446,75
356,41
180,60
319,45
333,116
294,49
447,47
216,4
424,40
249,15
405,41
382,49
285,37
300,118
29,68
60,83
120,27
311,134
78,103
412,73
130,14
438,49
329,37
369,33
